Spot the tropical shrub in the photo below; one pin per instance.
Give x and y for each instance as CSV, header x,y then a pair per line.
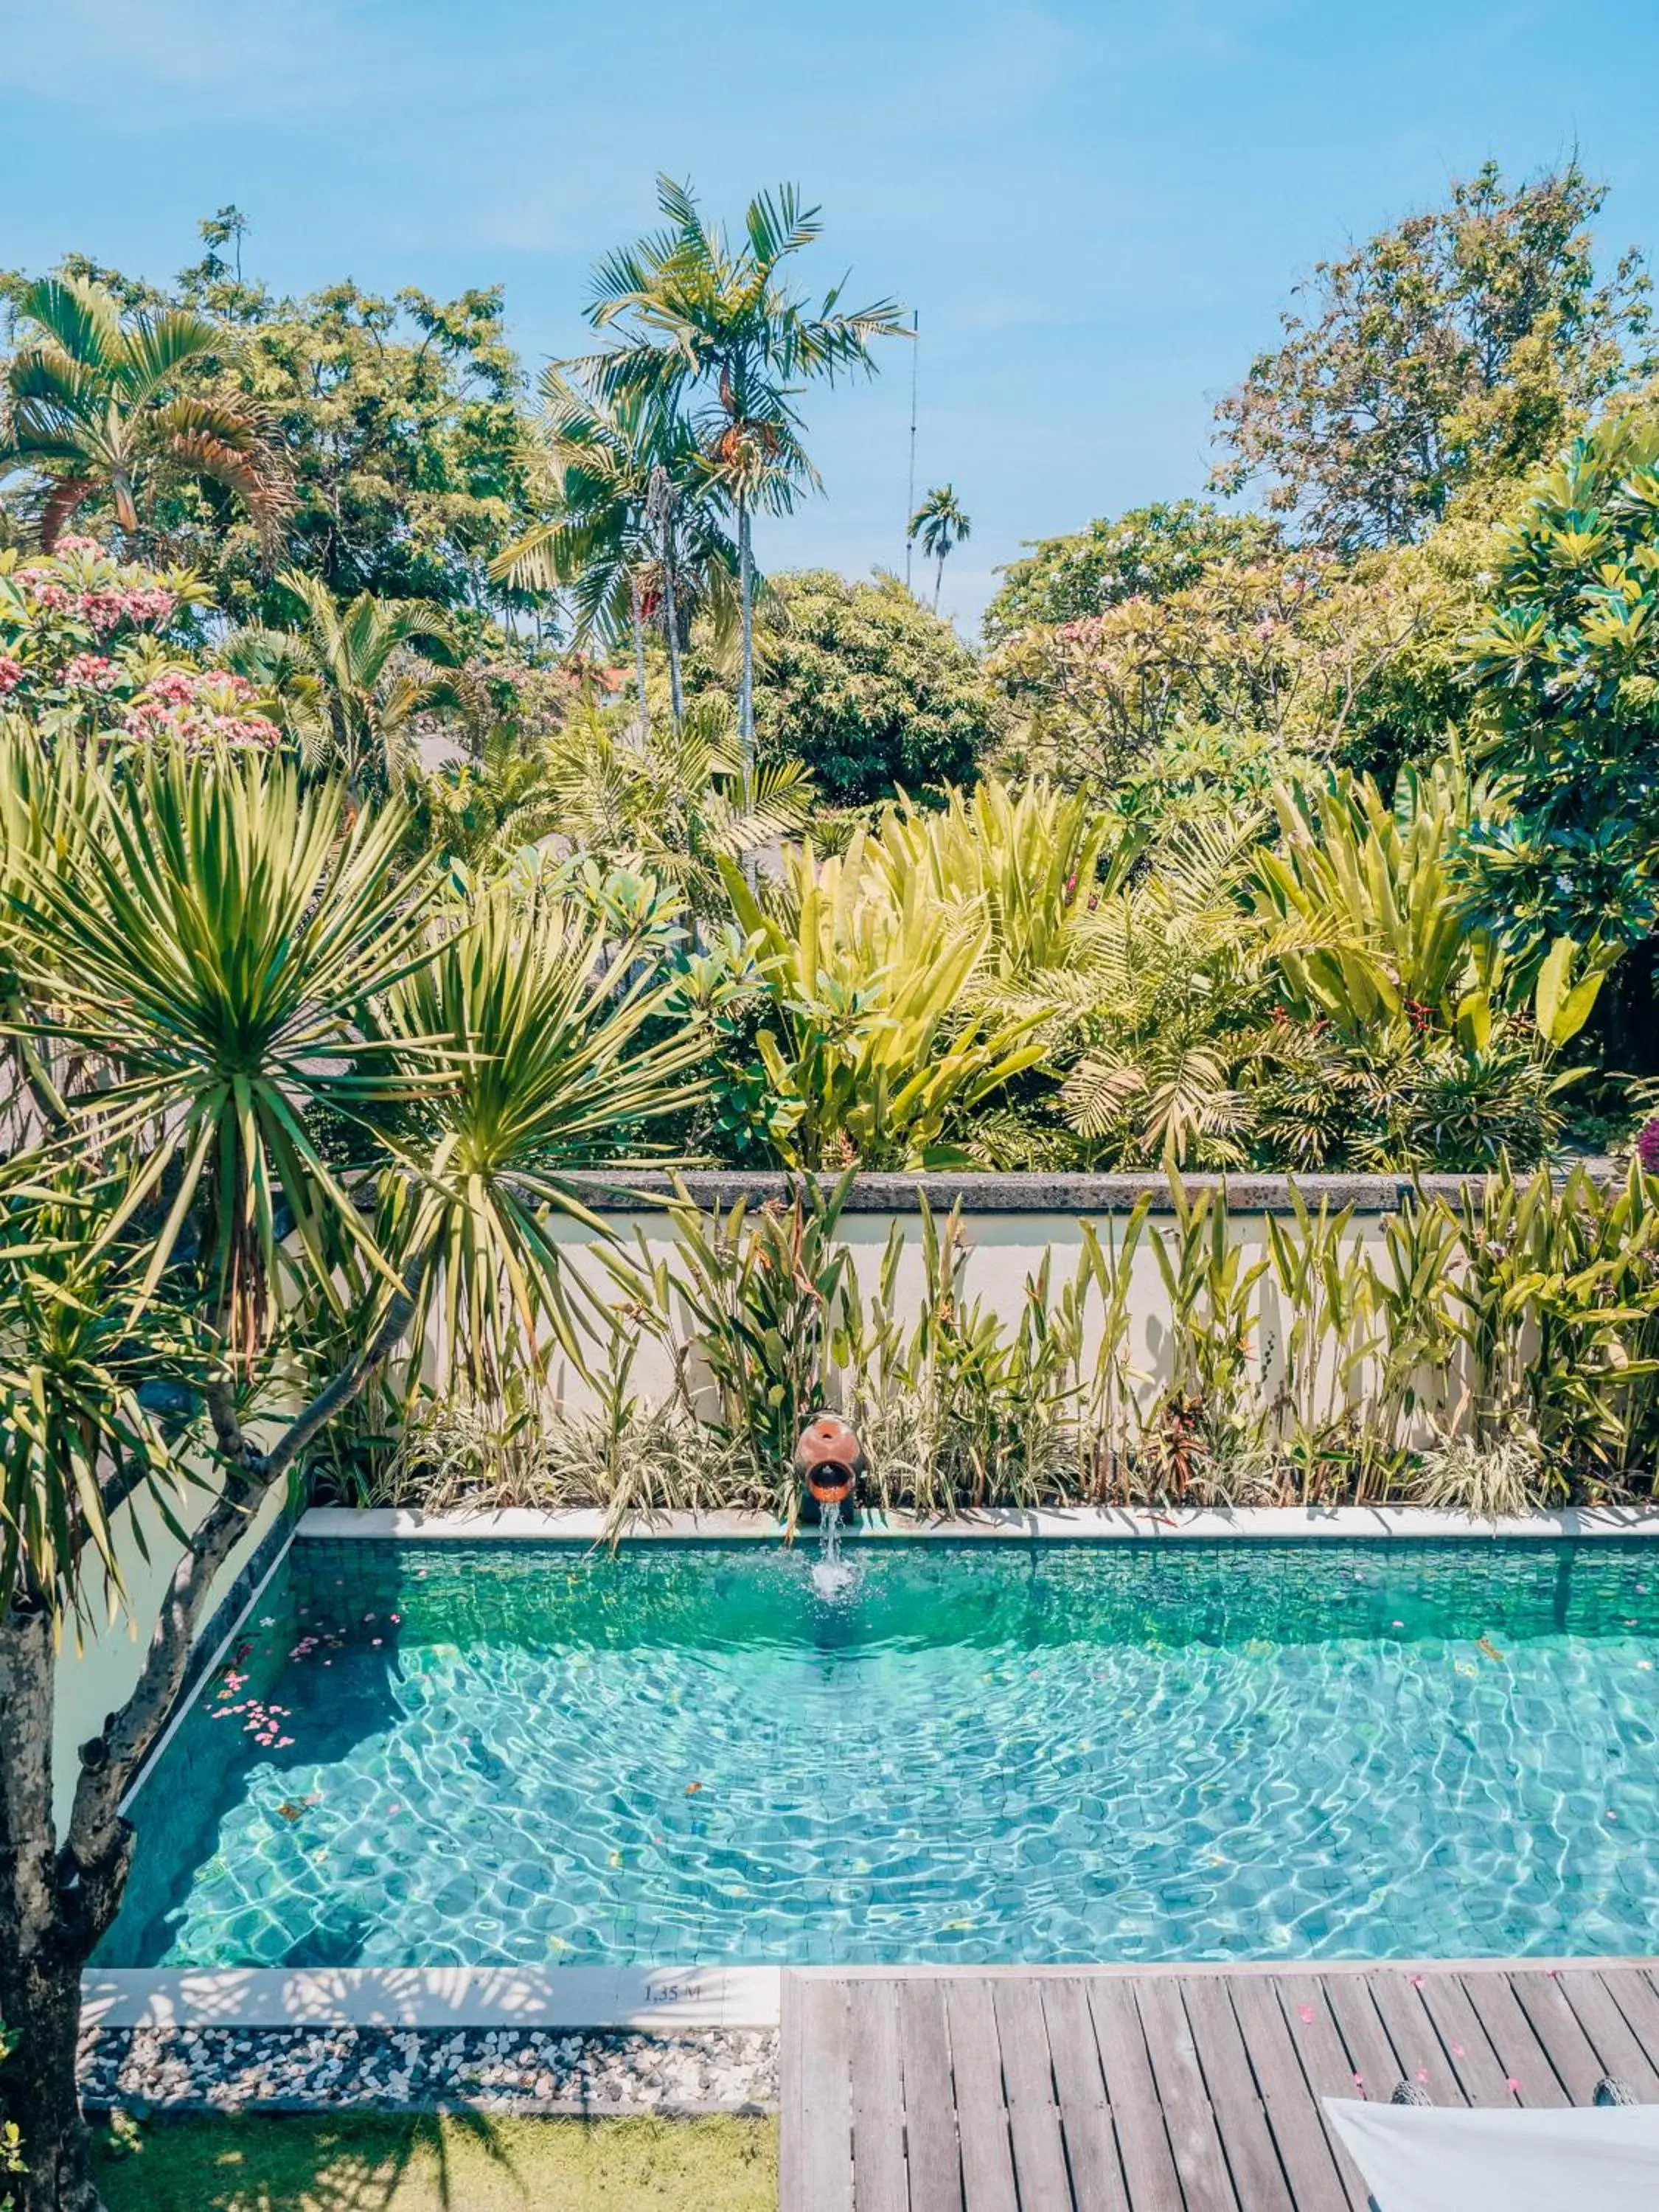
x,y
869,1037
1566,658
872,691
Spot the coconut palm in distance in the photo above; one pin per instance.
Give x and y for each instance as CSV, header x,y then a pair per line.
x,y
691,312
631,525
90,406
347,682
939,526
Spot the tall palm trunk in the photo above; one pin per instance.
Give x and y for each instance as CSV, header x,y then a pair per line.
x,y
939,581
746,678
671,627
636,610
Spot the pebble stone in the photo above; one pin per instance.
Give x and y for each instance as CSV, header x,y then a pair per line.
x,y
495,2070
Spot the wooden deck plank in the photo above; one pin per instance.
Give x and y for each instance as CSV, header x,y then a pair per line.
x,y
1293,2114
1619,2049
879,2183
1084,2091
1557,2027
792,2064
1247,2141
1634,1994
1187,2112
1514,2041
1028,2077
1419,2053
1085,2117
1143,2139
988,2164
1324,2060
932,2159
1373,2067
825,2096
1480,2076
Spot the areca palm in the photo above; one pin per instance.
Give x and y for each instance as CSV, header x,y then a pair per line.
x,y
91,405
631,525
348,683
939,526
690,313
676,807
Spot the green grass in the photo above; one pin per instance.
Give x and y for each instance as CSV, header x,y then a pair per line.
x,y
462,2162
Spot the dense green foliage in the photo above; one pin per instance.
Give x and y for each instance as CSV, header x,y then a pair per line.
x,y
1567,655
1147,552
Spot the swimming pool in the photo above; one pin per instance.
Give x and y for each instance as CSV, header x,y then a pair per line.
x,y
441,1754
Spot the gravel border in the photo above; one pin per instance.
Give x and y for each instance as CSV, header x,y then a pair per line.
x,y
575,2073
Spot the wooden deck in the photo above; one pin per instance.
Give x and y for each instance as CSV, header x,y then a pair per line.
x,y
1190,2090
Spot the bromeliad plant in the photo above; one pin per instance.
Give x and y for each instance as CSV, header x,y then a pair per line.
x,y
870,1038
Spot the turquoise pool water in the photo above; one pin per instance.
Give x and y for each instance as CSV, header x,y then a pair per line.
x,y
428,1754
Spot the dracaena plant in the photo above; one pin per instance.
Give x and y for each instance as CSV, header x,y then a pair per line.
x,y
540,1017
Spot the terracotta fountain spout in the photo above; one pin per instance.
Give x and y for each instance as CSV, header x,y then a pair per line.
x,y
829,1460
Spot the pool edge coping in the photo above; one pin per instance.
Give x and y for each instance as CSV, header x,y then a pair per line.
x,y
641,2000
1111,1523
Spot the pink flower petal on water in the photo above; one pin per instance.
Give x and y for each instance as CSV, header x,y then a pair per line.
x,y
284,1741
375,1641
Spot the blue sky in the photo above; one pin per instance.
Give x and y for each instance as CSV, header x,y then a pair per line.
x,y
1097,207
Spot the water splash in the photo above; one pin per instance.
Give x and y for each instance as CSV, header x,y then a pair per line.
x,y
833,1577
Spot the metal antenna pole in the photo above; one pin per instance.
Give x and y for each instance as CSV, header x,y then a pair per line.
x,y
915,370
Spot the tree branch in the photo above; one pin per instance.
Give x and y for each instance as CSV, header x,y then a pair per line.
x,y
93,1858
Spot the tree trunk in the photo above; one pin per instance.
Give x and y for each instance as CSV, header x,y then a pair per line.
x,y
56,1902
635,609
41,1954
939,581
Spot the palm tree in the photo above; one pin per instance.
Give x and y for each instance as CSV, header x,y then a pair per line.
x,y
631,528
90,404
941,525
347,682
693,313
674,808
